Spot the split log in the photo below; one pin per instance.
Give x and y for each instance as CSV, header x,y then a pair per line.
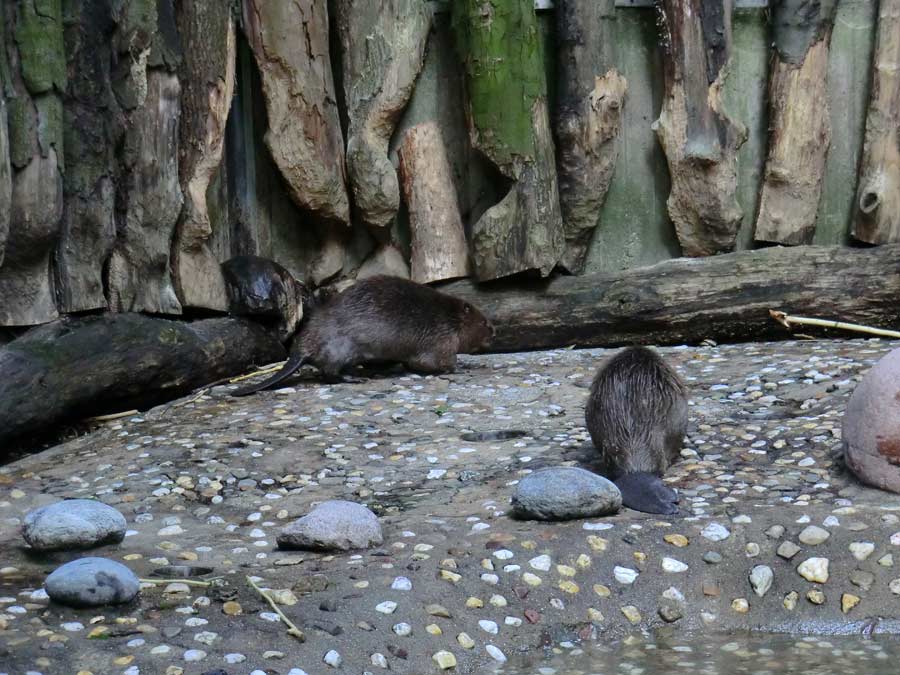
x,y
799,126
590,97
93,128
439,248
34,78
5,175
684,300
699,139
386,259
207,80
500,48
877,218
290,44
74,368
382,52
139,275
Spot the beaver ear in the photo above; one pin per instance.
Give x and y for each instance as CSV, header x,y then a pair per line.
x,y
467,309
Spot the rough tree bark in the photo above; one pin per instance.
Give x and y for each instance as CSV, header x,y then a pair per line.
x,y
207,80
439,248
684,300
93,127
34,81
382,51
5,176
590,97
799,127
139,277
73,368
290,44
699,139
877,217
508,122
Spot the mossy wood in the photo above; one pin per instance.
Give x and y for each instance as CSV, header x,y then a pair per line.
x,y
877,215
74,368
589,105
34,79
799,125
382,52
726,298
700,140
208,77
499,45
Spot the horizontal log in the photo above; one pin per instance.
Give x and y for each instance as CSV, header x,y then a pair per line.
x,y
686,300
74,368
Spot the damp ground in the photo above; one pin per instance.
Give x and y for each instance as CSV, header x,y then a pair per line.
x,y
774,534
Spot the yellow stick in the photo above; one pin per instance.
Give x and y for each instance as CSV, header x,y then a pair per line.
x,y
188,582
111,416
292,629
786,321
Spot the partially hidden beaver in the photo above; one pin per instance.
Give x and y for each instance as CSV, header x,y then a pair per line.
x,y
384,319
637,415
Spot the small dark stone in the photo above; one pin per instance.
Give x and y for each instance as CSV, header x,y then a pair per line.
x,y
629,539
314,583
171,631
328,606
670,612
521,592
399,652
365,625
327,627
862,579
216,671
532,615
712,558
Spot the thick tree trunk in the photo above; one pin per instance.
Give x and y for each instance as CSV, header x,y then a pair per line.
x,y
383,48
699,139
684,300
290,43
74,368
5,176
93,129
207,88
439,248
34,79
877,218
590,97
508,122
799,127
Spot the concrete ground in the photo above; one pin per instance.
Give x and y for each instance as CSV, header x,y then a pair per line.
x,y
208,481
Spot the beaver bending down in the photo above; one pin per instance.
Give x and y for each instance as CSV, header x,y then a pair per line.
x,y
637,416
385,318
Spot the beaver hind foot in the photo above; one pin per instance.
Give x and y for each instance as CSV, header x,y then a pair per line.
x,y
645,492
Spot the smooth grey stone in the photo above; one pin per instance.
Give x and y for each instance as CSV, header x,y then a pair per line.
x,y
92,582
73,524
333,526
565,493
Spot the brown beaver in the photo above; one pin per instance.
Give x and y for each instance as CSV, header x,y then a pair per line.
x,y
385,319
637,416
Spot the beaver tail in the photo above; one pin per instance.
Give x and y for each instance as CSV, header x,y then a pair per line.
x,y
292,366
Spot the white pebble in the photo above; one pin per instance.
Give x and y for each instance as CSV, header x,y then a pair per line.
x,y
333,659
489,626
402,584
625,575
495,653
386,607
541,562
673,566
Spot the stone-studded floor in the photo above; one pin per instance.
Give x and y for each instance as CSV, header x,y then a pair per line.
x,y
209,481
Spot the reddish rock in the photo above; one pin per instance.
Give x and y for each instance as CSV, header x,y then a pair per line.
x,y
871,429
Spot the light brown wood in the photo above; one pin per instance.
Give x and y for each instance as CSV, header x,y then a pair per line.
x,y
439,248
700,140
877,216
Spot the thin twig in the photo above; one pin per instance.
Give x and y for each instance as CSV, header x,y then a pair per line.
x,y
188,582
273,369
112,416
292,629
786,321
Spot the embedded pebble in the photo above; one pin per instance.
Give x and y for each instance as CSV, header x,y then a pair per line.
x,y
813,535
333,659
444,659
73,524
92,582
761,578
625,575
715,532
565,493
814,569
495,653
673,566
787,549
862,549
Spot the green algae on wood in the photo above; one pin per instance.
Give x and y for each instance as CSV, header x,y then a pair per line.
x,y
39,38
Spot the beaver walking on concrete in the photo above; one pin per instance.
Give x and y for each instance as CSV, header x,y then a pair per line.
x,y
637,416
381,319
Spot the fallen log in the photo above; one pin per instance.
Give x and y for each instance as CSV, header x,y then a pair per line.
x,y
799,125
877,218
74,368
684,301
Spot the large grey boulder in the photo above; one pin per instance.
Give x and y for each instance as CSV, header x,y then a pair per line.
x,y
92,582
73,524
871,427
565,493
333,526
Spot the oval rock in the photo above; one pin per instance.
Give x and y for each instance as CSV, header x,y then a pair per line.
x,y
565,493
73,524
92,582
335,525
